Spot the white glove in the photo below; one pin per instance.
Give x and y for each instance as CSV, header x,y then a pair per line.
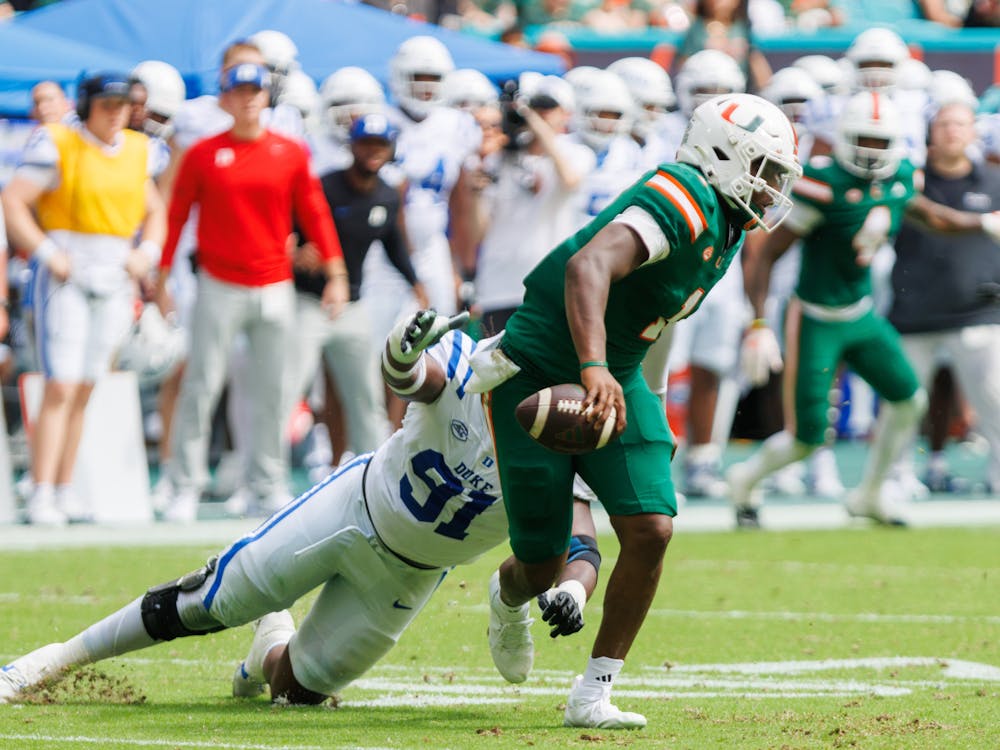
x,y
760,355
412,335
991,225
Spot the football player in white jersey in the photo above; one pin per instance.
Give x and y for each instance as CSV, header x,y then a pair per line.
x,y
656,127
345,95
378,535
434,145
605,112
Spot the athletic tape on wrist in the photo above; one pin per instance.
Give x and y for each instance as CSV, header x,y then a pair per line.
x,y
419,375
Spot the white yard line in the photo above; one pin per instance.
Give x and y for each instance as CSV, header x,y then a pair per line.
x,y
115,741
693,517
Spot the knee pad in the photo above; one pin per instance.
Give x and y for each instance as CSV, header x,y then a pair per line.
x,y
159,605
583,547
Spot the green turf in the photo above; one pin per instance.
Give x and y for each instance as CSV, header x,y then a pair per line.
x,y
725,599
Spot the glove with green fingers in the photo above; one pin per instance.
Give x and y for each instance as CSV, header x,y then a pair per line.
x,y
412,335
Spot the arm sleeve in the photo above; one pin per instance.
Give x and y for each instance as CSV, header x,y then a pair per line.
x,y
396,250
648,230
181,199
312,211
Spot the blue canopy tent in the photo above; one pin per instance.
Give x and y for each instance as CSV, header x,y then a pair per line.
x,y
28,56
191,35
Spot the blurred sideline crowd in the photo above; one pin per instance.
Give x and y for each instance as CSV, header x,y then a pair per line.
x,y
444,189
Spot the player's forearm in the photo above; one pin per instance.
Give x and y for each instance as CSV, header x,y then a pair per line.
x,y
756,282
943,219
587,287
22,229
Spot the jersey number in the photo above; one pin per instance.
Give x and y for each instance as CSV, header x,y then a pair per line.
x,y
652,331
430,468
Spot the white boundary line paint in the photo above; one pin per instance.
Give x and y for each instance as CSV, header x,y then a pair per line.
x,y
108,741
781,515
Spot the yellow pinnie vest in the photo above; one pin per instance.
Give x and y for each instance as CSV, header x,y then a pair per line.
x,y
98,193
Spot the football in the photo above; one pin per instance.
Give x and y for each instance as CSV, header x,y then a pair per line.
x,y
555,417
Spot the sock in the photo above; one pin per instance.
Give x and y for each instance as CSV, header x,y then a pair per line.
x,y
896,423
778,451
704,454
117,634
507,612
601,673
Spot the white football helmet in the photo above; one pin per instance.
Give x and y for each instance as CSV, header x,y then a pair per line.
x,y
605,109
346,94
165,92
869,114
153,348
580,78
913,75
278,50
468,90
422,57
949,87
792,89
705,74
745,147
300,92
826,72
651,89
875,54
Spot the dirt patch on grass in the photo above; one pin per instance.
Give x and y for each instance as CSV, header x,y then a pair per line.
x,y
83,684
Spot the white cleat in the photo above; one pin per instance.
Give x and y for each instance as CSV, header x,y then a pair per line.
x,y
741,493
888,507
511,646
72,506
42,511
28,671
271,630
183,508
598,713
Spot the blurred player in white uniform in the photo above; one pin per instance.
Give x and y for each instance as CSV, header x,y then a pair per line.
x,y
434,143
655,126
709,340
345,95
603,121
378,536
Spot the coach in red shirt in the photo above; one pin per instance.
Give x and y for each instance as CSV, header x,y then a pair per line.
x,y
249,183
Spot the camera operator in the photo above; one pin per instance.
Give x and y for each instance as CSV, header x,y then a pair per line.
x,y
526,202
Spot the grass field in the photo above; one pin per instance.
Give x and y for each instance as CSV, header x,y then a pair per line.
x,y
863,638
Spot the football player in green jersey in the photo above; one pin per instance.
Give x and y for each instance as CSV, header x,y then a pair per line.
x,y
847,206
592,307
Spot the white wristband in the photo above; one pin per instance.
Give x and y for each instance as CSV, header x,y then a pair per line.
x,y
419,375
151,250
45,250
991,225
387,366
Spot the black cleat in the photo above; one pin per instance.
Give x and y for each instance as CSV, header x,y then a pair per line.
x,y
747,518
561,613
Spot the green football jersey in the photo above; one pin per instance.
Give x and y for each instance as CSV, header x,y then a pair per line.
x,y
688,212
845,220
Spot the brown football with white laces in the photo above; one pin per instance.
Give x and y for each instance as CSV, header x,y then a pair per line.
x,y
555,417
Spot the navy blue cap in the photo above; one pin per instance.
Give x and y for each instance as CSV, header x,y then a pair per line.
x,y
106,85
373,125
245,74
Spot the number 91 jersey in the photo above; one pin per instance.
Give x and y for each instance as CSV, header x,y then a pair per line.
x,y
432,489
843,220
